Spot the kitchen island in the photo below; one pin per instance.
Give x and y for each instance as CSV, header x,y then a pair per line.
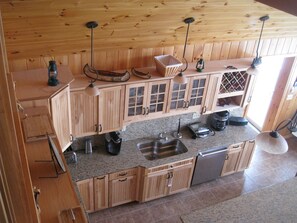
x,y
272,204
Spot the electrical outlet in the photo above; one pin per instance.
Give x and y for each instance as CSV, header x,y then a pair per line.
x,y
195,115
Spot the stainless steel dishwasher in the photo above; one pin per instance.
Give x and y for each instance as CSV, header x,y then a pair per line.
x,y
209,165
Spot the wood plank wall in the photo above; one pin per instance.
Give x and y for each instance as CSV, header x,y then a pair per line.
x,y
143,57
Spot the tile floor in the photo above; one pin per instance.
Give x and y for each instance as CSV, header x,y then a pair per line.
x,y
265,170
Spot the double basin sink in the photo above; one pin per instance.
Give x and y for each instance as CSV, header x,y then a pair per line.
x,y
158,149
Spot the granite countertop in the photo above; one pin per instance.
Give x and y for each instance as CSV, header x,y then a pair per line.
x,y
100,162
272,204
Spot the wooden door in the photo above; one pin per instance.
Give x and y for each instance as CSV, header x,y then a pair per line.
x,y
85,188
197,93
212,93
177,97
61,116
84,113
247,155
122,190
232,159
111,105
100,193
155,185
181,178
135,101
157,98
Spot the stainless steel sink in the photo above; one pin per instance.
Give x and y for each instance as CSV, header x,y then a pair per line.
x,y
159,149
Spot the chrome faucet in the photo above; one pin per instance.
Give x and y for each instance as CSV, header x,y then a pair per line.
x,y
162,136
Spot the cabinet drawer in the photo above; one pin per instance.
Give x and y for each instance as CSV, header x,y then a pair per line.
x,y
169,166
124,173
236,146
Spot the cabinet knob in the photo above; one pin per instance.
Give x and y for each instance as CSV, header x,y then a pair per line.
x,y
123,180
147,111
100,128
100,178
227,157
143,110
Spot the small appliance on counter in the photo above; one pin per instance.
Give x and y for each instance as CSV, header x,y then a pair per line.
x,y
198,130
237,121
113,143
218,121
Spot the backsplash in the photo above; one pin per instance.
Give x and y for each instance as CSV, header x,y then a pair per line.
x,y
149,128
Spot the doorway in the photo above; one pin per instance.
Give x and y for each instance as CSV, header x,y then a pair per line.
x,y
271,73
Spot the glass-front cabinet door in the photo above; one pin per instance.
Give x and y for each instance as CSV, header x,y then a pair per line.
x,y
135,106
178,97
197,92
188,97
145,100
157,98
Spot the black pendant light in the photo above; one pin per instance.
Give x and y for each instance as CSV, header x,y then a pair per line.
x,y
91,89
180,78
257,60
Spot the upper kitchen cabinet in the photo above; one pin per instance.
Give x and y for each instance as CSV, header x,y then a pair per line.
x,y
228,90
111,106
96,115
32,90
145,100
61,116
84,113
188,97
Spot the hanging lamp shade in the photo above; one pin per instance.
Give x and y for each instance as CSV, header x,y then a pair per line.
x,y
92,90
180,79
271,142
253,71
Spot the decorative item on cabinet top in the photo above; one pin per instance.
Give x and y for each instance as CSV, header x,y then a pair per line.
x,y
52,74
101,75
257,60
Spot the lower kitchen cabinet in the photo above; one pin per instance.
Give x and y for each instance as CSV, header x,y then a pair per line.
x,y
247,155
86,191
100,193
94,193
122,187
238,157
166,179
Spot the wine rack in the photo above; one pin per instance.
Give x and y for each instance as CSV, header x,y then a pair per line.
x,y
233,82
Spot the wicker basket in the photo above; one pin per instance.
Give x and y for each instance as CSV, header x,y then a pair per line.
x,y
167,65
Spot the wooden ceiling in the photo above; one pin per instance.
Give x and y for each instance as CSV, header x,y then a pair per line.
x,y
54,27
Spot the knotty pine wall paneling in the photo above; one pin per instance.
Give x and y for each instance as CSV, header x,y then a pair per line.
x,y
143,57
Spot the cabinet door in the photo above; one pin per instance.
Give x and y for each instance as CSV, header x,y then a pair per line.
x,y
212,93
100,193
60,109
181,178
111,105
247,155
157,98
249,90
197,93
232,159
122,190
85,188
177,97
155,185
135,102
84,115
